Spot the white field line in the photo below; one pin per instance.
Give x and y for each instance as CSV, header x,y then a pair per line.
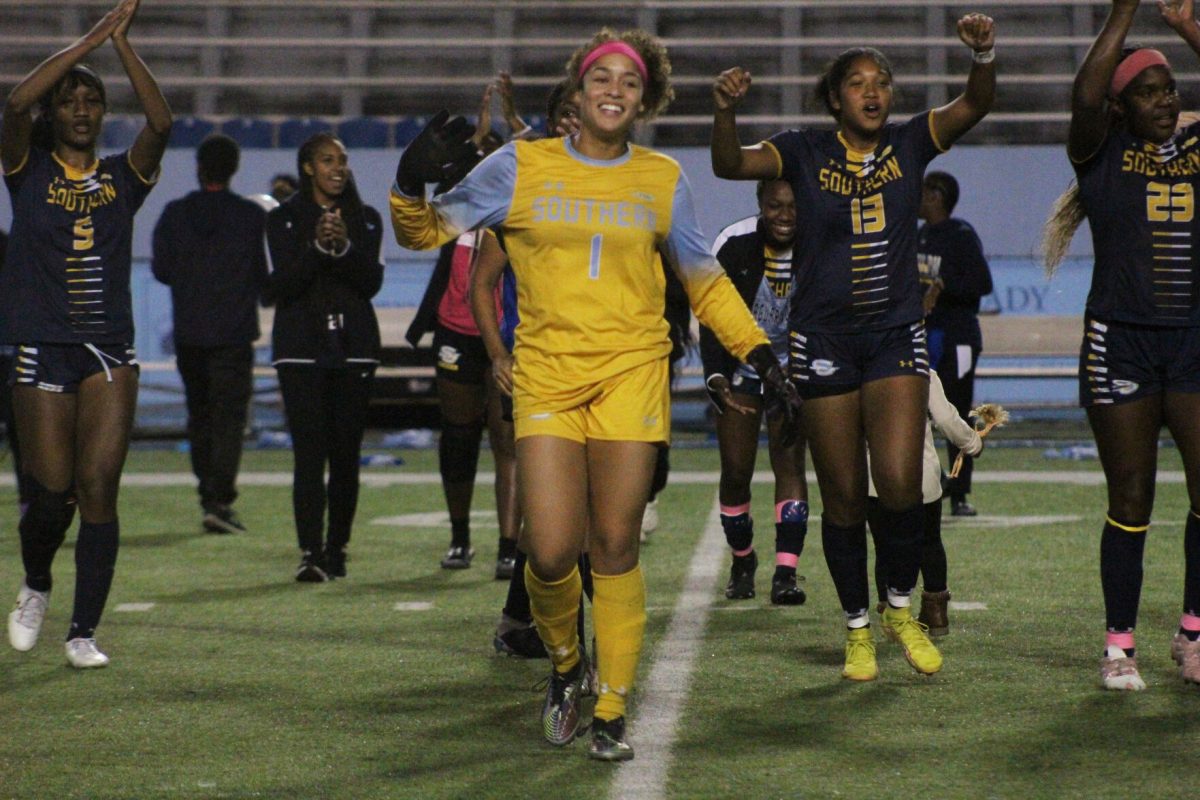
x,y
652,732
387,477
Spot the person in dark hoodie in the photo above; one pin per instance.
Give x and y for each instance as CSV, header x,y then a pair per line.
x,y
323,244
208,249
950,253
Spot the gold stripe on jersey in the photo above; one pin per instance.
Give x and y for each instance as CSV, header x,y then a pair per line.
x,y
773,150
777,270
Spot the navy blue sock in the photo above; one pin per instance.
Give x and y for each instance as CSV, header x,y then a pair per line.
x,y
846,556
95,559
1191,568
1121,573
739,531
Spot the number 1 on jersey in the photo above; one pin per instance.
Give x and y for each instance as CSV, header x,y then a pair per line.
x,y
594,263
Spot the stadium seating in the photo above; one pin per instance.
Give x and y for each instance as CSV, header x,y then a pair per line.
x,y
364,132
249,132
294,132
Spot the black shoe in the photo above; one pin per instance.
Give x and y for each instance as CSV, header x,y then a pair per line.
x,y
741,577
560,714
221,519
505,566
458,557
785,592
608,741
523,642
335,561
961,508
312,568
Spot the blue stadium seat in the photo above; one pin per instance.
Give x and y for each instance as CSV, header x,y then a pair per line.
x,y
190,131
407,130
119,132
363,132
294,132
250,132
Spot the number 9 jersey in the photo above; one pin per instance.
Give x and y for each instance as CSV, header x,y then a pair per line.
x,y
856,227
66,277
1141,206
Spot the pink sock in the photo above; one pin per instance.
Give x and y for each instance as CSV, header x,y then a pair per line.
x,y
1122,640
733,511
786,560
1189,622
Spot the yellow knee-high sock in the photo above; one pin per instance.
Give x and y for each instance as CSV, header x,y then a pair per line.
x,y
555,608
619,617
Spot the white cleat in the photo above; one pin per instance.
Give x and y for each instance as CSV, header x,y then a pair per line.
x,y
25,621
1119,672
649,519
83,654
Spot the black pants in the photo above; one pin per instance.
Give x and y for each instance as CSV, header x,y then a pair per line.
x,y
217,382
960,391
326,413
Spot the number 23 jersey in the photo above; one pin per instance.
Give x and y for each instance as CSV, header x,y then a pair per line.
x,y
856,227
1141,207
66,278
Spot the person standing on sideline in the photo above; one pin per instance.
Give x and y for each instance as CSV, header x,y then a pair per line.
x,y
283,186
951,255
857,335
208,247
1139,361
323,243
8,355
65,301
757,254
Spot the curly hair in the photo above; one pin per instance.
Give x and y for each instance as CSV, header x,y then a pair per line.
x,y
835,72
657,93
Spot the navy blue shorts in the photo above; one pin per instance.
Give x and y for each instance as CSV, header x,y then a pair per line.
x,y
824,364
461,358
62,367
1119,362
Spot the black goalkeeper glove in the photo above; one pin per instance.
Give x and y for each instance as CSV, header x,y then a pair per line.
x,y
782,400
440,144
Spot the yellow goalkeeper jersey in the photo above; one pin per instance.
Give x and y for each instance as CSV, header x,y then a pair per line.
x,y
583,236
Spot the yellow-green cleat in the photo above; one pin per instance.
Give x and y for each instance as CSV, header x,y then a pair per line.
x,y
899,625
860,656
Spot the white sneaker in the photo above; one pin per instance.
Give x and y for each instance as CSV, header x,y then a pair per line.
x,y
1119,672
83,654
25,621
649,519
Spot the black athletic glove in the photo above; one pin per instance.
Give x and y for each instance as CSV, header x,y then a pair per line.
x,y
781,398
441,143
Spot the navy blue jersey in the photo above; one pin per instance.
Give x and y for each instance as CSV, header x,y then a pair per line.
x,y
1141,207
66,278
856,238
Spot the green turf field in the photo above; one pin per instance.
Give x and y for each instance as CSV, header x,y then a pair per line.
x,y
240,683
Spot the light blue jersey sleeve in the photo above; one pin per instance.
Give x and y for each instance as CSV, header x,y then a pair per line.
x,y
712,296
480,200
685,243
483,197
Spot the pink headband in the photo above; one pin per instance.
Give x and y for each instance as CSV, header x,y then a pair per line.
x,y
1134,64
614,47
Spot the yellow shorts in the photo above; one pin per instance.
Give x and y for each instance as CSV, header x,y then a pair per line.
x,y
633,406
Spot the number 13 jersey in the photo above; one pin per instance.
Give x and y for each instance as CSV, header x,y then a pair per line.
x,y
856,227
